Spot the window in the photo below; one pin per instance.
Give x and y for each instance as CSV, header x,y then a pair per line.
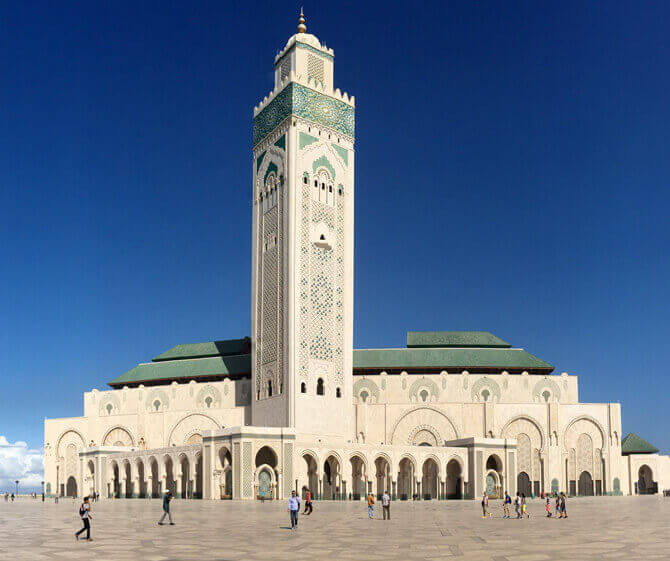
x,y
319,386
546,395
303,388
157,405
485,395
316,183
364,396
304,180
424,395
208,401
109,408
338,392
269,388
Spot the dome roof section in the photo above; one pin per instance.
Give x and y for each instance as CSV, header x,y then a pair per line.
x,y
306,39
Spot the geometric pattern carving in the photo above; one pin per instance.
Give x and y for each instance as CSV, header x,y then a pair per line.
x,y
366,384
288,468
194,423
416,392
157,400
247,475
551,386
118,436
109,405
423,418
304,102
208,397
485,383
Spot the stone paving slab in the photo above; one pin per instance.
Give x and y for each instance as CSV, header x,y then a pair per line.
x,y
616,528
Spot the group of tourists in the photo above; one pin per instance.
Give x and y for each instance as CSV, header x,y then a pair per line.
x,y
521,507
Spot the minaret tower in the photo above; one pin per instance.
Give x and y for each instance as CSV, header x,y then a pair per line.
x,y
303,243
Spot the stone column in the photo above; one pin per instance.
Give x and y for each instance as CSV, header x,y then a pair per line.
x,y
394,489
418,489
123,484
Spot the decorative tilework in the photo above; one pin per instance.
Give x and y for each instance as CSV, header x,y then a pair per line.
x,y
308,104
288,468
306,47
306,139
281,142
247,472
343,152
323,162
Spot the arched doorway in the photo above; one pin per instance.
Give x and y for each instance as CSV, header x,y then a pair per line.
x,y
71,487
129,481
155,481
266,476
494,477
523,484
382,476
310,479
406,479
645,481
332,478
586,484
454,480
225,473
358,477
141,481
185,478
429,479
198,477
170,481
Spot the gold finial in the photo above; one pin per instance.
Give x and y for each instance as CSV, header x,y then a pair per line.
x,y
302,28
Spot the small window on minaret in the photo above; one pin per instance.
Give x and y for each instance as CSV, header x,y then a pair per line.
x,y
319,387
303,388
338,392
269,388
304,180
323,186
316,183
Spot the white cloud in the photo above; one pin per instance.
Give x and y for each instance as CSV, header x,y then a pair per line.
x,y
17,461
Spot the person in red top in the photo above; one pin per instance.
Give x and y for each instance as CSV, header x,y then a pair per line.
x,y
308,502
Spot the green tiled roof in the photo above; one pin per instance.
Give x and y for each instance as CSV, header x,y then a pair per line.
x,y
461,358
209,349
633,444
455,339
185,369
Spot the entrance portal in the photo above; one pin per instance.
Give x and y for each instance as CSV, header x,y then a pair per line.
x,y
586,484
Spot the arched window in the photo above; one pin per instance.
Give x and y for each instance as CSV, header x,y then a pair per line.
x,y
546,395
109,408
316,183
208,401
485,395
364,396
269,388
303,388
157,405
319,386
338,392
424,395
304,180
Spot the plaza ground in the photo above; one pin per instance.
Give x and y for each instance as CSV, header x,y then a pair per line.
x,y
597,528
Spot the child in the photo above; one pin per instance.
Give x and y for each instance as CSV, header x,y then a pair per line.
x,y
548,507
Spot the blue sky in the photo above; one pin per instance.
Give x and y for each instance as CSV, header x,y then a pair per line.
x,y
512,176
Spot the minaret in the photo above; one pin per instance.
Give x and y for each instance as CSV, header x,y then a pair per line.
x,y
302,271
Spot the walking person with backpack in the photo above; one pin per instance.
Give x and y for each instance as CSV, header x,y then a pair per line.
x,y
85,514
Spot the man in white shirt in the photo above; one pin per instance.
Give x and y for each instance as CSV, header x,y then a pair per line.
x,y
386,505
293,508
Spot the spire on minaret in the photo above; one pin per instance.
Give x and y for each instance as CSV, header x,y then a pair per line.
x,y
302,28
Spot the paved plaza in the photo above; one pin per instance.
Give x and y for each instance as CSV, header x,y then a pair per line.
x,y
597,528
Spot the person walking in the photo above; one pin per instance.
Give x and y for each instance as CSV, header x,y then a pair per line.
x,y
85,514
485,504
517,506
386,505
506,503
293,508
308,502
167,497
524,506
548,507
564,513
371,505
558,505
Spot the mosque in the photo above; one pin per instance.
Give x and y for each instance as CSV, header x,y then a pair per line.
x,y
294,407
